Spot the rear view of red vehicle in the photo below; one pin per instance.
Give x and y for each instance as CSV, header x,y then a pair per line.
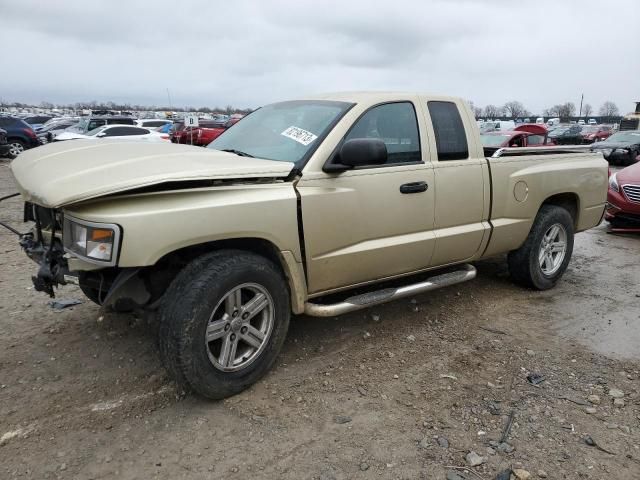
x,y
595,133
202,135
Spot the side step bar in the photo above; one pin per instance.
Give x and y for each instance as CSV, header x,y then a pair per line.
x,y
365,300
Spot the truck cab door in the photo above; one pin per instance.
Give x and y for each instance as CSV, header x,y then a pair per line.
x,y
371,222
462,184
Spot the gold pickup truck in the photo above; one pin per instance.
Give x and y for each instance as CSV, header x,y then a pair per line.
x,y
322,206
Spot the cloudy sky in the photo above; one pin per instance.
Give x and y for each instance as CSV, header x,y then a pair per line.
x,y
248,53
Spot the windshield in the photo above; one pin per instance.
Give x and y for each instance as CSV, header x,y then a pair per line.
x,y
623,137
590,130
494,140
286,131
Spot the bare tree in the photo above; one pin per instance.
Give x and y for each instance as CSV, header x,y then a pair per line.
x,y
515,110
587,110
491,111
565,110
477,111
609,109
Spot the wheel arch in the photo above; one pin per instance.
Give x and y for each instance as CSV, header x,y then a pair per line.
x,y
570,201
284,260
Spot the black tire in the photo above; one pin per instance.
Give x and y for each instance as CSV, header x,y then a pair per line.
x,y
185,312
524,265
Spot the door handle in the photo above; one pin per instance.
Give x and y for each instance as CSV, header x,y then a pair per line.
x,y
414,187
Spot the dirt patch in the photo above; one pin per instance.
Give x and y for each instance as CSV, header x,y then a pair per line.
x,y
405,390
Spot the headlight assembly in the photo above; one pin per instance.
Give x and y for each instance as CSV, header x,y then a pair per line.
x,y
613,183
96,242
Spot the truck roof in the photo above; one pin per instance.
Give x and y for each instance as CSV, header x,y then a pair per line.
x,y
369,97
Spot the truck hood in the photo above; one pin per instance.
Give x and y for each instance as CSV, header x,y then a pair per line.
x,y
63,173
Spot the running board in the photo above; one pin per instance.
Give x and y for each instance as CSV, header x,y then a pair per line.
x,y
365,300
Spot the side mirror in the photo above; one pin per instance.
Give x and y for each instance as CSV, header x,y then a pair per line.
x,y
359,152
101,134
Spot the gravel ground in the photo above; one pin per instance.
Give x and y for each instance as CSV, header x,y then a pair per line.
x,y
402,391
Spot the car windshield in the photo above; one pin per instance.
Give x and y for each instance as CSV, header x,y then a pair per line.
x,y
83,123
494,140
590,130
286,131
560,130
624,137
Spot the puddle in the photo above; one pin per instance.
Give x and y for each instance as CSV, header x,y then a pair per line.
x,y
598,301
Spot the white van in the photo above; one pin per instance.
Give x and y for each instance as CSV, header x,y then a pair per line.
x,y
539,121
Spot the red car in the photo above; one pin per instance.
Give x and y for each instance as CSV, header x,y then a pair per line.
x,y
202,135
525,135
623,198
595,133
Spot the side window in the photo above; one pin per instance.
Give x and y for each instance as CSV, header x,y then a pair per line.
x,y
153,123
396,125
451,139
95,124
125,131
535,139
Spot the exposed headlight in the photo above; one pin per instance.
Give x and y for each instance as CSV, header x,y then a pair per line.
x,y
94,241
613,183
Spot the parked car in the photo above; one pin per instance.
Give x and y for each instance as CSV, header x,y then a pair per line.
x,y
48,132
592,121
189,135
37,120
86,124
498,126
525,135
20,135
567,135
225,242
595,133
203,136
4,145
621,148
166,128
623,198
116,132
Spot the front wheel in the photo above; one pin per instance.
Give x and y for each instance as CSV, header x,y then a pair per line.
x,y
543,258
223,322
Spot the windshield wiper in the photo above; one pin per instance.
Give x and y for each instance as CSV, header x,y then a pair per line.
x,y
237,152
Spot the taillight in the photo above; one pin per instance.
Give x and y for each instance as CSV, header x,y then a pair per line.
x,y
29,132
164,137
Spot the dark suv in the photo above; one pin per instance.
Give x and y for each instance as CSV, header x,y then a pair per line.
x,y
20,135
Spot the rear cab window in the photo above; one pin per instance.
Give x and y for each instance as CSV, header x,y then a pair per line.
x,y
450,134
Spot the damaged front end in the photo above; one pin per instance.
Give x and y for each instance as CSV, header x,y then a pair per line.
x,y
44,246
73,251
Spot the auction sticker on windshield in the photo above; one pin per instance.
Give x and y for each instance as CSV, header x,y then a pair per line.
x,y
299,135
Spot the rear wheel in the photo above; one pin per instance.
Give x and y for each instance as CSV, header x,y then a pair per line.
x,y
543,258
223,322
16,147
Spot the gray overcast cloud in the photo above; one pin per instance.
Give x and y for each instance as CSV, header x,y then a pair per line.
x,y
248,53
